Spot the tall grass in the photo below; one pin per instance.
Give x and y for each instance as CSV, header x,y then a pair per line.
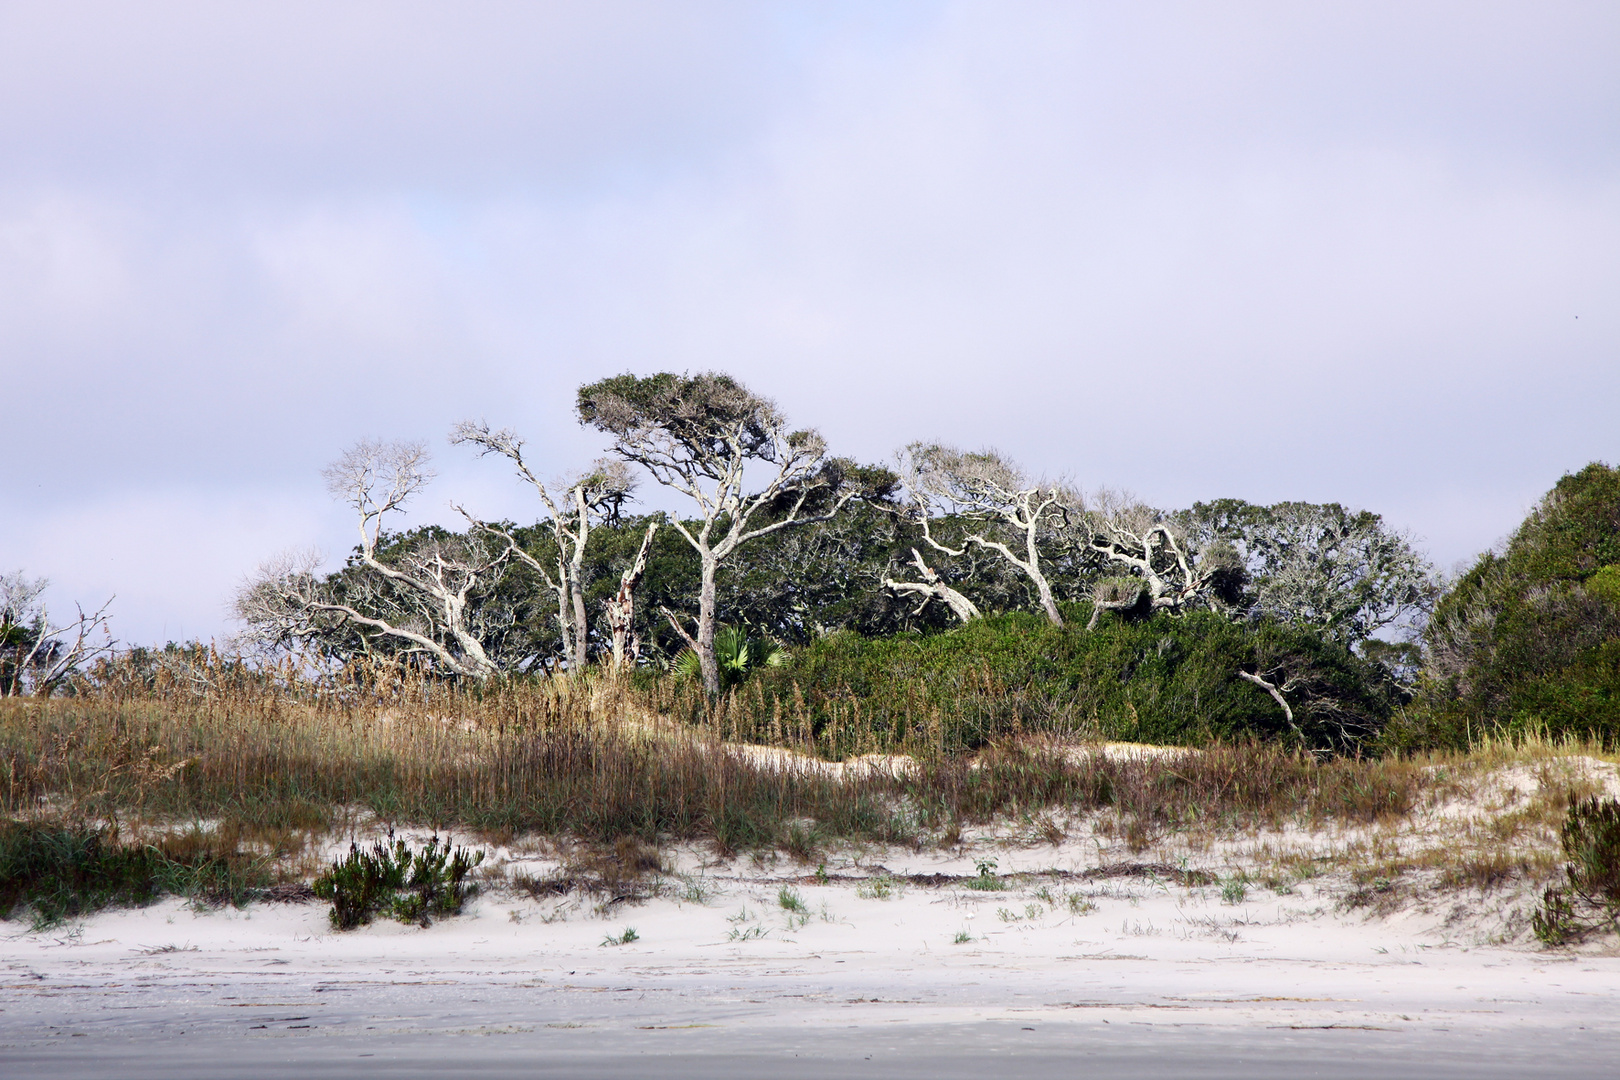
x,y
593,758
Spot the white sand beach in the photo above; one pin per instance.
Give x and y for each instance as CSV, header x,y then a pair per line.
x,y
1074,958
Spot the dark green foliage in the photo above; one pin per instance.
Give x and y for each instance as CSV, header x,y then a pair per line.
x,y
1162,679
389,878
1591,897
61,872
1529,638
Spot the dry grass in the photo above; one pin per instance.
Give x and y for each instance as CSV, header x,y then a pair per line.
x,y
590,763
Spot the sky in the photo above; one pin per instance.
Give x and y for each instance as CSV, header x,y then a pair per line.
x,y
1360,252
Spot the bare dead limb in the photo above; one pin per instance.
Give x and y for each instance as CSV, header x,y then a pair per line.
x,y
933,587
679,629
987,487
1276,693
620,608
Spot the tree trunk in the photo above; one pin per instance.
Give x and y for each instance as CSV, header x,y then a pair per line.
x,y
1048,604
576,569
705,634
1042,589
582,628
621,607
565,622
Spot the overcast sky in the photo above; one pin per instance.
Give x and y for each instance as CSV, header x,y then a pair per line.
x,y
1366,253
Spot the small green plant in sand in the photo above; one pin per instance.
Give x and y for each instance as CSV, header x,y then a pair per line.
x,y
986,881
1235,889
962,938
389,878
881,887
624,937
1079,905
1591,896
695,890
789,900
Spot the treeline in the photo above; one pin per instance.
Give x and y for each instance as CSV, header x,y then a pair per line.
x,y
947,589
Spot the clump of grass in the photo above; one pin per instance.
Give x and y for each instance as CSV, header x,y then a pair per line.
x,y
59,872
1080,905
789,900
624,937
879,887
390,878
1235,889
962,938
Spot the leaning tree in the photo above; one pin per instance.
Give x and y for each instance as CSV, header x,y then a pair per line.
x,y
986,489
699,435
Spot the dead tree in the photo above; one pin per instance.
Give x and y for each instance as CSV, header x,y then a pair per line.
x,y
1133,537
933,587
37,657
620,608
699,434
987,488
600,490
419,599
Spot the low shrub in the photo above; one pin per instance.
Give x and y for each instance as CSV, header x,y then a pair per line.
x,y
389,878
1169,680
1591,895
59,872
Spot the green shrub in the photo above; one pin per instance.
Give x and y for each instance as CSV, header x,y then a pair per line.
x,y
1591,896
60,872
1529,639
389,878
1164,679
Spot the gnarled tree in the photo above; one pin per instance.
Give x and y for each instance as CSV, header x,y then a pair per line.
x,y
420,599
1152,550
933,587
598,492
987,488
699,434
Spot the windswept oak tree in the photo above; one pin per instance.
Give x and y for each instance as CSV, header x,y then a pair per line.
x,y
933,587
599,492
423,599
1343,573
699,435
984,487
1162,572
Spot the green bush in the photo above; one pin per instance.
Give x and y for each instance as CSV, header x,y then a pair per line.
x,y
1529,638
389,878
1164,679
61,872
1591,896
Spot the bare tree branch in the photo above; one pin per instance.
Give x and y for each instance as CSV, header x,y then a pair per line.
x,y
986,487
933,587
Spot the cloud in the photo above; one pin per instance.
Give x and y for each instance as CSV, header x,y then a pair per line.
x,y
1260,250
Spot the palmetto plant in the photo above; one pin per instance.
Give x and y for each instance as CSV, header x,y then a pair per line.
x,y
736,654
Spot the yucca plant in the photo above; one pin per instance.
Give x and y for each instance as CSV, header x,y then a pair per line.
x,y
412,887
